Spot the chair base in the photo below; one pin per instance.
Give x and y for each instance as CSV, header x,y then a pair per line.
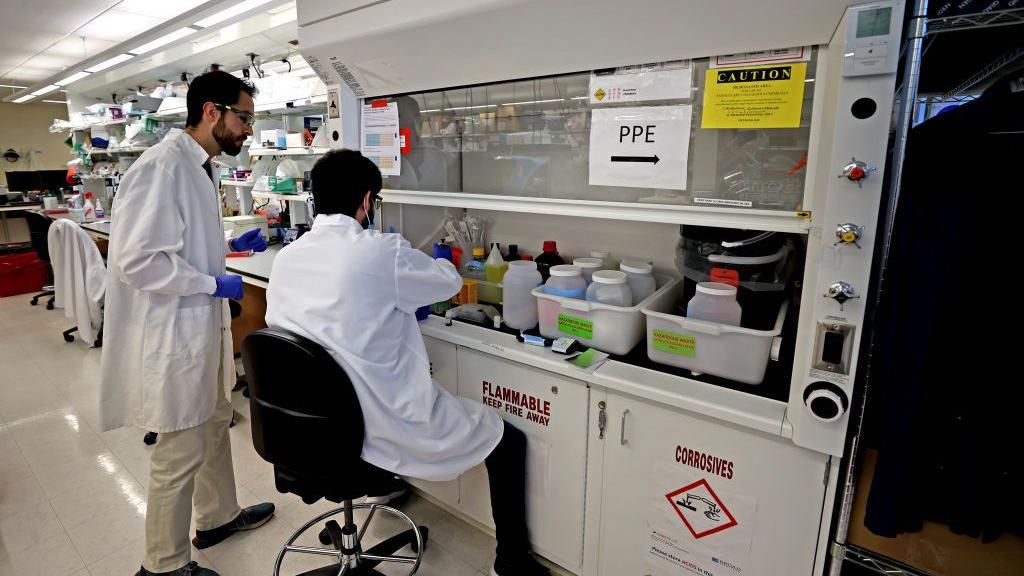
x,y
350,559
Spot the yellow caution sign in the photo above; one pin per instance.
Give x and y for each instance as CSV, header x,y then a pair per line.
x,y
600,94
754,97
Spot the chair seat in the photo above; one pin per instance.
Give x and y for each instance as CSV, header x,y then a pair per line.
x,y
358,479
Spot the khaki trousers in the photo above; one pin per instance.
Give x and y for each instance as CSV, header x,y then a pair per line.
x,y
191,466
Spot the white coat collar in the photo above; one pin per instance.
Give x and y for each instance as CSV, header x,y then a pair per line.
x,y
335,220
194,150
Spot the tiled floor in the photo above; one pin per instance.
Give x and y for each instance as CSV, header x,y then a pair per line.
x,y
73,499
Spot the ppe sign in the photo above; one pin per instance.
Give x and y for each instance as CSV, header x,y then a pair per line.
x,y
640,147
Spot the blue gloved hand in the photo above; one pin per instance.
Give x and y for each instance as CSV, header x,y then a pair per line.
x,y
422,313
251,240
228,286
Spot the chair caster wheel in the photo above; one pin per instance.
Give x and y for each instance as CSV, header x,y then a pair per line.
x,y
149,439
324,537
34,302
424,532
49,305
69,338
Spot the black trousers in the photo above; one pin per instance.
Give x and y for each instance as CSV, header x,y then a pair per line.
x,y
506,473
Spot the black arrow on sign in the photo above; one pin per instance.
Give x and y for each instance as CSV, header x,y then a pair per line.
x,y
652,159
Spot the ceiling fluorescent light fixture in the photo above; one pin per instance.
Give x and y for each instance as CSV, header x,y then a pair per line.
x,y
45,90
163,40
471,107
12,86
230,12
56,101
108,63
73,78
24,98
533,102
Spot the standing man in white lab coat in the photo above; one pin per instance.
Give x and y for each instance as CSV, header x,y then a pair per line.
x,y
355,292
167,359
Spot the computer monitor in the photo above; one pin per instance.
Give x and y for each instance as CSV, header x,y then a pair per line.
x,y
41,180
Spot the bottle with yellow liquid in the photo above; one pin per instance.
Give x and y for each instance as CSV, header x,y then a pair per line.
x,y
494,272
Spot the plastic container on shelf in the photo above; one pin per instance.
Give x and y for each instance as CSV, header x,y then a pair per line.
x,y
605,256
475,268
588,266
640,276
611,329
731,352
610,287
566,281
715,302
519,308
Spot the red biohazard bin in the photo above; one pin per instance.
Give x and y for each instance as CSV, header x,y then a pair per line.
x,y
21,273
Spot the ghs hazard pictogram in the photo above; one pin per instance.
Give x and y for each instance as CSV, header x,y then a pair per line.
x,y
701,509
600,94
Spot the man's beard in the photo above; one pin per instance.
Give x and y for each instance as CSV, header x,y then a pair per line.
x,y
230,144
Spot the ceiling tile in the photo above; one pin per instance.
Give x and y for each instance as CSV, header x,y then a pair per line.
x,y
118,25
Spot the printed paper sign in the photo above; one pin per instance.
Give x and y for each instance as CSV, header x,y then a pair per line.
x,y
380,137
576,326
754,97
333,104
699,524
660,81
640,147
762,57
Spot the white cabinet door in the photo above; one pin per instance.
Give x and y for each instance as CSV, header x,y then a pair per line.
x,y
685,494
445,370
552,411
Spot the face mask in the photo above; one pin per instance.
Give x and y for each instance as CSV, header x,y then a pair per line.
x,y
370,214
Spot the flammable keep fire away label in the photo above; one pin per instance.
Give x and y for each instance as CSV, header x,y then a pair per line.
x,y
698,524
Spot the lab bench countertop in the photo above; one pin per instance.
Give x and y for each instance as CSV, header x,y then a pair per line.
x,y
255,269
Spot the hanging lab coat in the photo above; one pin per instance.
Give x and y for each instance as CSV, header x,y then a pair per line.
x,y
79,276
165,336
355,292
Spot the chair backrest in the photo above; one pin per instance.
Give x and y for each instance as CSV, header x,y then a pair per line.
x,y
38,228
305,413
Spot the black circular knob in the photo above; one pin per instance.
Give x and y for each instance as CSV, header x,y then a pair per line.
x,y
827,401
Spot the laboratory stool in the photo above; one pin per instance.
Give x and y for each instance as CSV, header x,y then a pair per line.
x,y
307,422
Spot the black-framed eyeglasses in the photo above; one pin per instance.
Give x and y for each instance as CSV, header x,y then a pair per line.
x,y
247,118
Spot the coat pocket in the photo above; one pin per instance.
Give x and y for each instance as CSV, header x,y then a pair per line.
x,y
185,332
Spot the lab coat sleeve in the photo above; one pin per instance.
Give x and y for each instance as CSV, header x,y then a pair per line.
x,y
148,248
420,280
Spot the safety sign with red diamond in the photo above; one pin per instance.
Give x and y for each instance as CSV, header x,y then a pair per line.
x,y
701,509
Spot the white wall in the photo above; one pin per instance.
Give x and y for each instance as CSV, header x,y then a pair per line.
x,y
25,127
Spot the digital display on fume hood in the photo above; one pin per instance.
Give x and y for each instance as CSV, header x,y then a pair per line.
x,y
874,22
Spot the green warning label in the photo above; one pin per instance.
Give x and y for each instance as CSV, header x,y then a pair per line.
x,y
673,343
575,326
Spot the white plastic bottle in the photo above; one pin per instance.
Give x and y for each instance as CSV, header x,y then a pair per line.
x,y
610,288
588,266
88,208
715,302
640,278
566,281
520,305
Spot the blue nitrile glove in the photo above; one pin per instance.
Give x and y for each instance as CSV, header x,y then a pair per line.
x,y
251,240
422,313
228,286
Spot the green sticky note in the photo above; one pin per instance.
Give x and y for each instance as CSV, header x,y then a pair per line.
x,y
575,326
585,359
673,343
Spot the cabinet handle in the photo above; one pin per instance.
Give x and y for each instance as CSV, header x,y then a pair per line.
x,y
602,419
622,428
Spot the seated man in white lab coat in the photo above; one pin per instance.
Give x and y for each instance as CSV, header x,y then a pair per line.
x,y
355,292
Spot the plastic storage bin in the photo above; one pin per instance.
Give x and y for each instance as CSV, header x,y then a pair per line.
x,y
21,273
612,329
732,352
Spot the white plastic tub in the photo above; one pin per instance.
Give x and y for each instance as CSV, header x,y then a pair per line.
x,y
732,352
612,329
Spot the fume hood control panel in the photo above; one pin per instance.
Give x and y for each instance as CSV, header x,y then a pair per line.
x,y
872,39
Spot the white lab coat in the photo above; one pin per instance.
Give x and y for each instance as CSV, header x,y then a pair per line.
x,y
165,335
356,292
79,276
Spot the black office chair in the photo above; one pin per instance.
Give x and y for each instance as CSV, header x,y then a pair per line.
x,y
38,228
307,422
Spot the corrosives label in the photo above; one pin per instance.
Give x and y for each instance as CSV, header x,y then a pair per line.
x,y
575,326
673,343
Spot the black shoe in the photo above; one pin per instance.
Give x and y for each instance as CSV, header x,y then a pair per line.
x,y
190,569
247,519
386,493
525,565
